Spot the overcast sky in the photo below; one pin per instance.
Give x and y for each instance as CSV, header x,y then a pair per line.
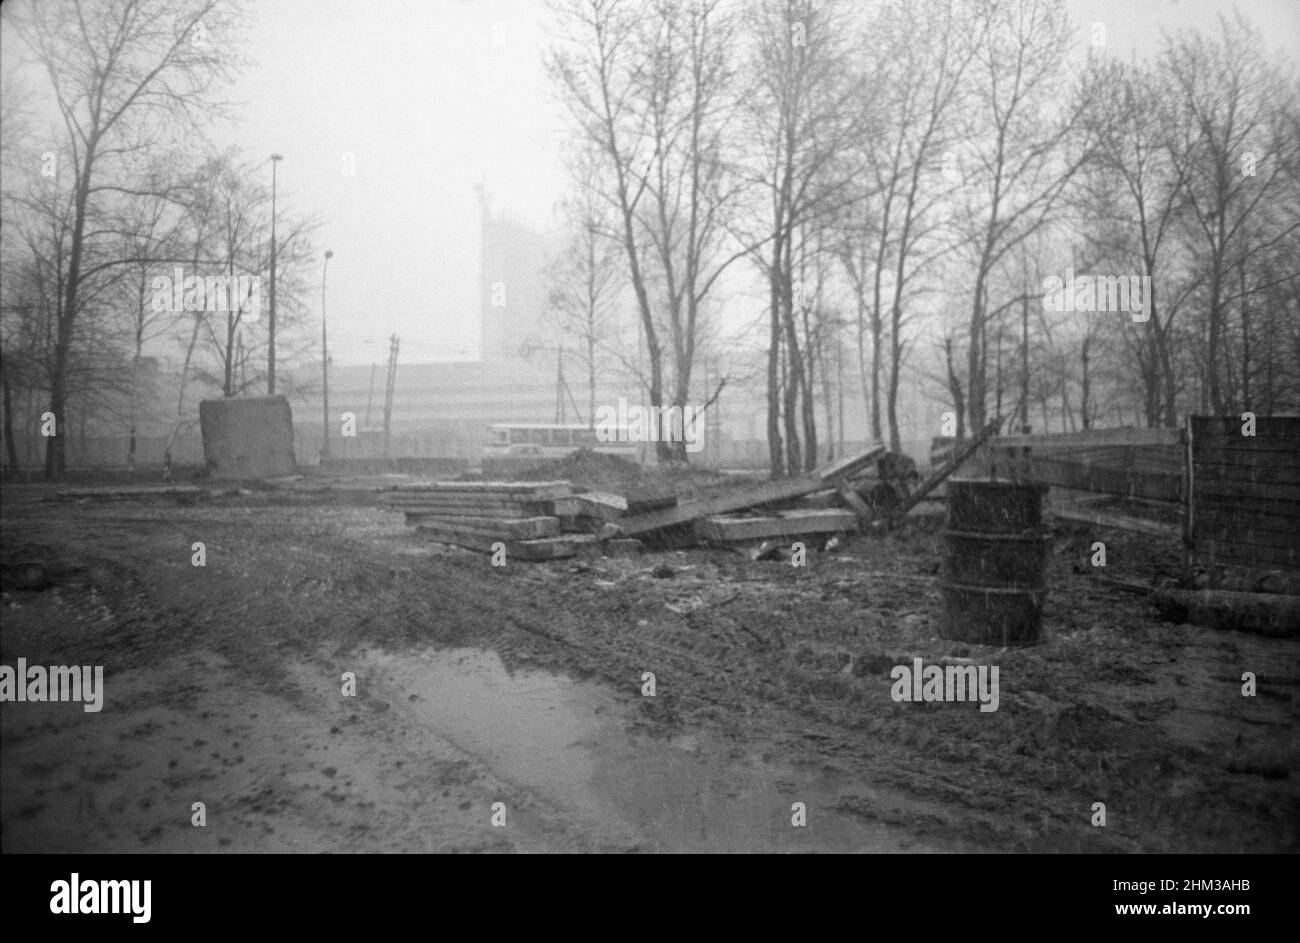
x,y
432,96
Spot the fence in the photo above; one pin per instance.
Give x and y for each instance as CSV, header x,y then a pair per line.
x,y
1139,463
1243,492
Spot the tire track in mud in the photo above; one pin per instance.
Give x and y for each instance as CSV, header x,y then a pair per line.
x,y
756,655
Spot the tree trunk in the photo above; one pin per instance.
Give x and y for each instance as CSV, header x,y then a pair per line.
x,y
775,446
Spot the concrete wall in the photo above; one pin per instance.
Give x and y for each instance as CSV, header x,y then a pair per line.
x,y
248,438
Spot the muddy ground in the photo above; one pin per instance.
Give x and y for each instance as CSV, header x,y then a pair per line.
x,y
522,685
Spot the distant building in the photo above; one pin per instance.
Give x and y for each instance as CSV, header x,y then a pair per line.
x,y
512,286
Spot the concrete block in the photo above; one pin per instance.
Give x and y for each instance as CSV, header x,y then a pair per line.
x,y
248,438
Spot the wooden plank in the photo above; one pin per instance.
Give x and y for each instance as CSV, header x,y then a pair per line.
x,y
638,504
440,497
751,496
1243,533
1208,551
522,528
846,466
1246,489
826,498
483,500
1251,458
540,490
1228,452
1063,473
724,529
1279,507
1246,521
1246,471
1092,438
1265,477
855,502
1218,503
1204,427
961,451
1118,522
607,507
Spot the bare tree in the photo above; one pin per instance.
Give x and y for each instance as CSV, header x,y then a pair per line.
x,y
901,231
1020,155
1229,96
114,67
648,84
801,120
587,280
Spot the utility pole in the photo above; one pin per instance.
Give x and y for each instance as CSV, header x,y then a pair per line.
x,y
393,344
559,385
371,398
325,362
713,423
270,347
1024,364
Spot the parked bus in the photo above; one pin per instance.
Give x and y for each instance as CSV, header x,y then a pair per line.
x,y
550,440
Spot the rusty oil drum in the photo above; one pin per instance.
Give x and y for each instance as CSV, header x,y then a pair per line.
x,y
994,580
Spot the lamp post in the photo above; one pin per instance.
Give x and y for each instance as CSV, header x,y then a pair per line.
x,y
270,355
325,358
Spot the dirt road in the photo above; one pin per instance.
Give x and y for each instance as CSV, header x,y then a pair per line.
x,y
523,686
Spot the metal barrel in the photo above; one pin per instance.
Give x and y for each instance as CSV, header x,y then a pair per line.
x,y
994,580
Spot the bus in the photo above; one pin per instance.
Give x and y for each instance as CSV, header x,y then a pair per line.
x,y
550,440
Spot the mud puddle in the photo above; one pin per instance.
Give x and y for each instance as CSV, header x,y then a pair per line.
x,y
569,743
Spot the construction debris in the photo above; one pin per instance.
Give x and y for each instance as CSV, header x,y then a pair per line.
x,y
961,451
730,528
752,496
484,516
546,519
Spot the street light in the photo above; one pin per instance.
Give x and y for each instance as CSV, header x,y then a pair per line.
x,y
324,357
270,355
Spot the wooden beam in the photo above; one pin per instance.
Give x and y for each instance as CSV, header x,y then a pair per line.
x,y
738,499
961,452
851,497
1090,439
1061,472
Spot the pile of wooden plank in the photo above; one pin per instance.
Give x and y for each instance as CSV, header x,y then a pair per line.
x,y
541,520
714,520
546,520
